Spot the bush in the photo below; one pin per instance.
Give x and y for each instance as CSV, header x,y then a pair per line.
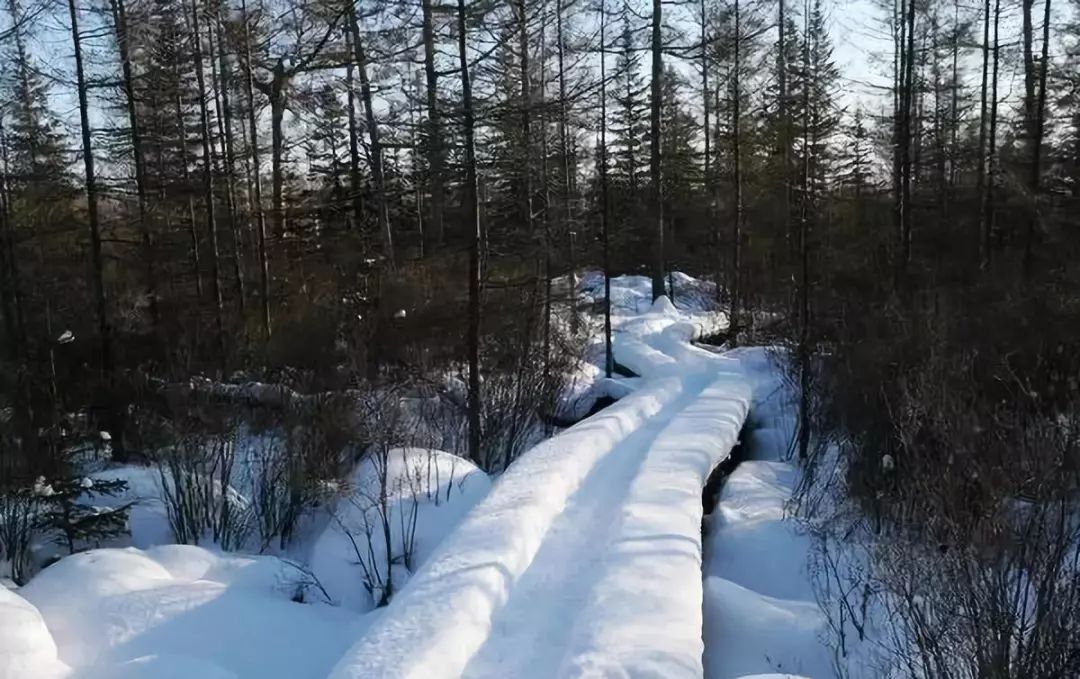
x,y
297,464
946,492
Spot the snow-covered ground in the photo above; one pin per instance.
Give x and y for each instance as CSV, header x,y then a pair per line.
x,y
184,611
761,615
585,558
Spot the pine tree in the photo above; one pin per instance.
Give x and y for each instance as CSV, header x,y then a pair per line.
x,y
37,166
628,129
629,125
67,511
681,172
326,148
823,82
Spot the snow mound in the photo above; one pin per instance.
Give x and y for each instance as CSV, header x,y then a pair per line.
x,y
187,612
636,621
26,647
163,666
427,493
102,573
761,617
757,634
662,306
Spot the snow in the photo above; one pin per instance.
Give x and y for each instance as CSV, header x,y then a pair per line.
x,y
761,617
567,567
444,486
644,614
26,647
185,611
148,522
160,666
433,628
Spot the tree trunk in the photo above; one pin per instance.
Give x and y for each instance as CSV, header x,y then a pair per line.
x,y
785,123
736,151
224,121
804,249
564,152
97,282
208,181
276,94
526,189
256,176
988,206
545,183
354,141
706,111
193,230
906,100
605,202
472,220
954,104
655,127
435,141
119,12
14,323
980,177
373,137
1038,131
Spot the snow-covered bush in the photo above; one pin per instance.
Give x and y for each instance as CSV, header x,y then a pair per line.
x,y
389,517
954,551
297,464
196,473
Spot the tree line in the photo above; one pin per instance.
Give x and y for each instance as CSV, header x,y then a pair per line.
x,y
245,181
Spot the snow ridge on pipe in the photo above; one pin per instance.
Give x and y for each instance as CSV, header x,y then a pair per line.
x,y
435,625
644,615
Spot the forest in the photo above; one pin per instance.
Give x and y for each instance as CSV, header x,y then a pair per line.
x,y
225,215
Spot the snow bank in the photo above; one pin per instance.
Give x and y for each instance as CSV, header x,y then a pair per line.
x,y
185,611
761,618
432,628
644,615
632,294
26,647
427,494
757,634
660,342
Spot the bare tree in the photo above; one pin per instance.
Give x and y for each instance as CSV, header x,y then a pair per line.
x,y
372,126
472,221
208,180
120,25
97,280
256,179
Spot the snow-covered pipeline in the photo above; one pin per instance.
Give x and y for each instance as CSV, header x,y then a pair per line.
x,y
642,615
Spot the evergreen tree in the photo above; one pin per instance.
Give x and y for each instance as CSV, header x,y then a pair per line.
x,y
681,171
629,124
823,115
37,163
68,513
